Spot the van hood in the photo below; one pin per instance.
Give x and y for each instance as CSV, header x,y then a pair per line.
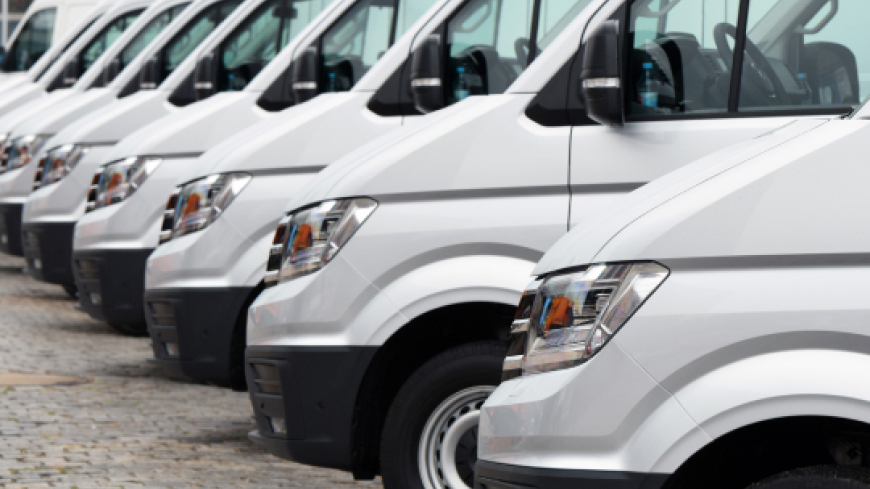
x,y
111,122
192,129
736,202
264,145
53,118
390,164
38,100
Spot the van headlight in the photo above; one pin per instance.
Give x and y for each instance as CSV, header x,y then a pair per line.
x,y
200,202
119,180
575,314
60,161
307,239
24,149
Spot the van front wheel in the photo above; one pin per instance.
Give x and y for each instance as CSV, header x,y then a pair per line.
x,y
818,478
430,434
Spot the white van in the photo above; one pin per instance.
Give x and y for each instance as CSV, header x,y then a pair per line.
x,y
683,338
52,210
113,240
400,264
199,285
23,141
45,24
47,86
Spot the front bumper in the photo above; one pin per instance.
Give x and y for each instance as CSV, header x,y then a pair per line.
x,y
314,390
200,324
111,283
490,475
48,249
10,228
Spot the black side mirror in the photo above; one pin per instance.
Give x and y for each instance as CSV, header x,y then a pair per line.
x,y
205,77
113,67
305,75
600,78
149,76
71,72
427,75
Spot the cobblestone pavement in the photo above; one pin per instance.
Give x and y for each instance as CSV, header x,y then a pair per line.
x,y
129,426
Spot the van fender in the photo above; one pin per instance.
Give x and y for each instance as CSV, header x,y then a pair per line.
x,y
449,281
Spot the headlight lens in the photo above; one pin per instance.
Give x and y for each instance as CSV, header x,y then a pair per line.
x,y
306,240
23,150
59,162
200,202
576,314
119,180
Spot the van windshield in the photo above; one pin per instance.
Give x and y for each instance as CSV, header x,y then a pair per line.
x,y
33,40
351,46
99,44
260,38
491,42
191,35
144,37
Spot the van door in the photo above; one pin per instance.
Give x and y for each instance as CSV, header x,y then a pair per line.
x,y
700,75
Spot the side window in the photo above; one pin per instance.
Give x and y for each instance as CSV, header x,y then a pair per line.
x,y
353,44
192,34
260,38
679,58
105,39
820,61
491,42
795,56
32,42
144,37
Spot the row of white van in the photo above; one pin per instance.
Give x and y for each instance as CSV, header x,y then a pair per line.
x,y
338,206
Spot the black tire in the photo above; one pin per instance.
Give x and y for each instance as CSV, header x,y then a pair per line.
x,y
818,478
71,290
460,368
137,330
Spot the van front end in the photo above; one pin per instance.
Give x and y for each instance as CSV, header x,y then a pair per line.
x,y
200,281
60,180
113,241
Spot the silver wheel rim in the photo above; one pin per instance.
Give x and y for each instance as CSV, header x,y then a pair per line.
x,y
445,428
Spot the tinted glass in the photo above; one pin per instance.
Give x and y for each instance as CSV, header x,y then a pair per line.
x,y
106,38
489,42
358,40
803,55
144,37
674,65
261,37
192,34
32,42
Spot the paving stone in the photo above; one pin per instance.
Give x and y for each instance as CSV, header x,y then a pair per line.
x,y
130,425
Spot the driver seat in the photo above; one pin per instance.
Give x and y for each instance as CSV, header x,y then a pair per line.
x,y
833,71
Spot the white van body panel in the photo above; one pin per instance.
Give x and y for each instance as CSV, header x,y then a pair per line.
x,y
742,330
582,245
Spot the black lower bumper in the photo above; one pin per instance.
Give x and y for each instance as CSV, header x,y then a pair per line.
x,y
489,475
313,390
111,284
199,333
48,249
10,229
